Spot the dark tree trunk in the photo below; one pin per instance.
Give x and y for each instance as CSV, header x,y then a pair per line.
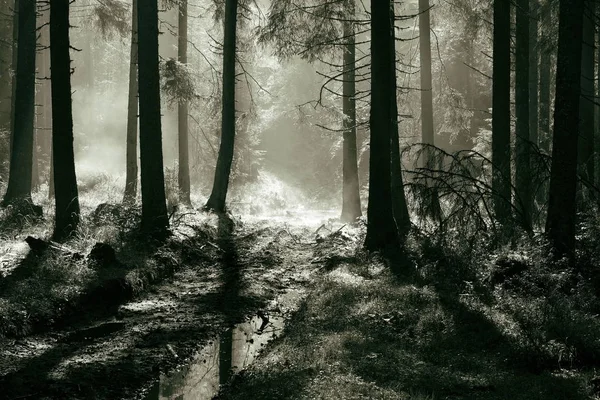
x,y
20,173
154,204
596,156
183,178
14,64
399,206
523,195
586,112
66,196
545,72
351,189
217,198
534,57
382,233
426,84
501,178
560,223
131,176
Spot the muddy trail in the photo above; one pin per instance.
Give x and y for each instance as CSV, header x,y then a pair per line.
x,y
168,340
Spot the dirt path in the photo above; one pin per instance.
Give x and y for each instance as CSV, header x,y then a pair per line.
x,y
253,263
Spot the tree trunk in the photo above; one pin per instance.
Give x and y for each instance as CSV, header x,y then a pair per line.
x,y
14,64
560,223
534,57
523,195
545,72
154,203
382,233
596,156
426,85
183,178
586,112
66,196
351,189
501,179
217,198
399,206
131,176
20,173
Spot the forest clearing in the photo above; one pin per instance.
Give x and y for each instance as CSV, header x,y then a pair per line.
x,y
299,199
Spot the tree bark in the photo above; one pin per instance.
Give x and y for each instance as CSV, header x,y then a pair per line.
x,y
351,188
14,64
183,178
560,223
216,202
426,84
131,175
66,195
399,206
20,173
501,175
534,58
586,112
545,72
382,233
154,204
523,195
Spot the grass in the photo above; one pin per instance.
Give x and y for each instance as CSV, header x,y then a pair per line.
x,y
444,333
43,289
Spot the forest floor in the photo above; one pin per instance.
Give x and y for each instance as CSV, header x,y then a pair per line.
x,y
162,320
79,322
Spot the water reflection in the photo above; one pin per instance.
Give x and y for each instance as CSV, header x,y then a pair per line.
x,y
217,362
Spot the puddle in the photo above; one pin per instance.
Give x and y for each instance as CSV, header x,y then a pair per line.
x,y
233,351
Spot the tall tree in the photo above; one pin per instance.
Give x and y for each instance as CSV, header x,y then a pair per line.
x,y
545,73
427,130
183,178
65,184
523,195
560,222
217,198
501,179
586,112
351,189
154,205
534,72
382,233
20,173
399,205
131,176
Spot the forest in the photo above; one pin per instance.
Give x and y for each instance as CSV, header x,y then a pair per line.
x,y
300,199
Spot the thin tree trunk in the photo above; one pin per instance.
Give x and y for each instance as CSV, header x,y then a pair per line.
x,y
545,72
20,173
426,84
586,112
523,195
154,204
351,189
382,233
399,206
66,195
534,74
14,64
560,223
183,178
217,198
596,156
501,175
131,175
